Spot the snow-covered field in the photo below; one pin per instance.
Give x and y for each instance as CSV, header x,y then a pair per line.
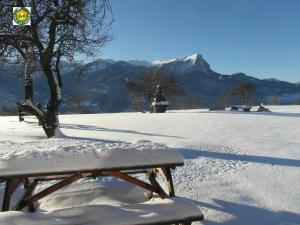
x,y
240,168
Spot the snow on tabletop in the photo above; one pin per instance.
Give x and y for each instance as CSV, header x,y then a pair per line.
x,y
56,155
152,211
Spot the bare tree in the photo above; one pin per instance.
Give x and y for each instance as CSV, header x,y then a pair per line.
x,y
243,91
59,30
145,87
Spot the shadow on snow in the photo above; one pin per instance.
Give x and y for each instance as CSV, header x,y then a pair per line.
x,y
194,154
248,215
95,128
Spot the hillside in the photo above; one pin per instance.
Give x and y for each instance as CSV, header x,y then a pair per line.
x,y
103,90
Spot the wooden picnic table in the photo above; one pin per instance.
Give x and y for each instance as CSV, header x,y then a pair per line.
x,y
32,176
30,181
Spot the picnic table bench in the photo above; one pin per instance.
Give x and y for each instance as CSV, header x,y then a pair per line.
x,y
113,166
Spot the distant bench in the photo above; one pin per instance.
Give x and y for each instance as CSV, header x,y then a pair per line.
x,y
245,108
25,109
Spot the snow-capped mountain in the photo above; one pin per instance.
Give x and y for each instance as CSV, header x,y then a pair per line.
x,y
104,89
179,65
186,64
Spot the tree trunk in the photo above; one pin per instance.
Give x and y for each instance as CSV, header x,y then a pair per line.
x,y
51,115
47,118
29,62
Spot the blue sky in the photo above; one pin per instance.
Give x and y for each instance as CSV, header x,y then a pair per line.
x,y
258,37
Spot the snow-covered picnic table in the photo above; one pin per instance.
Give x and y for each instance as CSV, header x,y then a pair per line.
x,y
34,162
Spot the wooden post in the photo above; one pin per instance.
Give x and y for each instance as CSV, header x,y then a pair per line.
x,y
10,187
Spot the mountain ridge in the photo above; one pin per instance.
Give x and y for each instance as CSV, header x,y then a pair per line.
x,y
194,59
104,89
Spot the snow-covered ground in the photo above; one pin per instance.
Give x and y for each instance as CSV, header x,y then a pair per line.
x,y
240,168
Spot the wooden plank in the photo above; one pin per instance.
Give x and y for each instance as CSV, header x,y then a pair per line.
x,y
95,170
134,171
10,187
94,174
30,200
47,178
139,183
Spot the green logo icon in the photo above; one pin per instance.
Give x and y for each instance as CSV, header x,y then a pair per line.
x,y
21,16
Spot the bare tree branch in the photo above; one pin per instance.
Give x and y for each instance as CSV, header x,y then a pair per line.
x,y
55,33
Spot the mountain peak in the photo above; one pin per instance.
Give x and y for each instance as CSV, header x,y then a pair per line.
x,y
185,64
193,58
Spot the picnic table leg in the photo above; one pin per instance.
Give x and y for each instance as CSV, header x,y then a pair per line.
x,y
10,187
169,178
149,193
166,172
7,196
153,182
28,189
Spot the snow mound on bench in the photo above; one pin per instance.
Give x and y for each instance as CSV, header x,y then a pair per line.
x,y
56,155
155,211
100,191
